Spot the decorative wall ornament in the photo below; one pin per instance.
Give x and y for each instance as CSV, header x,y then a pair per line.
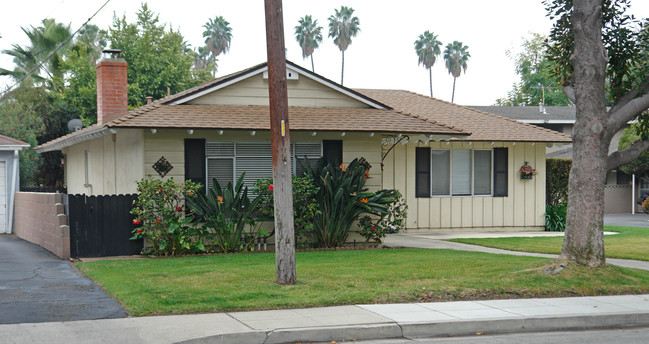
x,y
162,166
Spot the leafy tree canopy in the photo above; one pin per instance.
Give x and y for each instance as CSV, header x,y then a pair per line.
x,y
157,58
537,84
640,166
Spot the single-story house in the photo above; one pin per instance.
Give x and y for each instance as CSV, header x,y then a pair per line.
x,y
456,167
9,179
618,198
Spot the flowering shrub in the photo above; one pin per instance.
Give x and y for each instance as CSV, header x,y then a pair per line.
x,y
159,211
342,198
305,206
392,221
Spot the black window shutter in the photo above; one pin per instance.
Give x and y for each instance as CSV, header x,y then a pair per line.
x,y
422,172
195,160
500,172
332,151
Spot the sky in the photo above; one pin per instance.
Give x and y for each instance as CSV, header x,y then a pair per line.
x,y
382,55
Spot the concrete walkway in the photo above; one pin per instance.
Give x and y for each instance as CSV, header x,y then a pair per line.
x,y
36,286
432,241
348,322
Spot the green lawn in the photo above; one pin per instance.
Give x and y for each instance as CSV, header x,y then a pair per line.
x,y
247,281
631,243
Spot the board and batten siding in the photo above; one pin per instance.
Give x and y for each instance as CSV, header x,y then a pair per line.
x,y
303,92
114,164
170,144
523,209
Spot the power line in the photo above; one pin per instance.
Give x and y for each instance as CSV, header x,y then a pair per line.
x,y
40,64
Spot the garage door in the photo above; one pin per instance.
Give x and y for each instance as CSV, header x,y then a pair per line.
x,y
3,196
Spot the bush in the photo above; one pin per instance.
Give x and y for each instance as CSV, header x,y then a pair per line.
x,y
305,206
342,199
159,209
391,222
555,217
228,214
558,174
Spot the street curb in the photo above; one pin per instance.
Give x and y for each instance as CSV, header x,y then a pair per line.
x,y
230,338
430,329
550,323
331,333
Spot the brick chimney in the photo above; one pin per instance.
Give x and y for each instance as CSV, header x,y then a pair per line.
x,y
112,97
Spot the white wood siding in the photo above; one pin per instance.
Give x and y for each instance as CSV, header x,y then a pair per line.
x,y
114,164
302,92
170,144
522,209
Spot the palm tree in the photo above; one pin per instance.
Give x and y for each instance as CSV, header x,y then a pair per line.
x,y
308,35
456,56
342,27
43,40
427,48
218,35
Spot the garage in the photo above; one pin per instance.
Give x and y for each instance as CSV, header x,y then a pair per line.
x,y
3,197
9,179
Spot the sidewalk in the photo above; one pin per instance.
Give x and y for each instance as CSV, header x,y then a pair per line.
x,y
348,322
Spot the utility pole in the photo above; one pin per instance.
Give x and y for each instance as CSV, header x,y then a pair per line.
x,y
280,144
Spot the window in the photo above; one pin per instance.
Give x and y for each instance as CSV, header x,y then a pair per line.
x,y
227,160
461,172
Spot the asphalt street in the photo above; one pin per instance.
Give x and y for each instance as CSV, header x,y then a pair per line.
x,y
627,336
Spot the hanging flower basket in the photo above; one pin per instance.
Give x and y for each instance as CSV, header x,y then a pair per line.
x,y
527,171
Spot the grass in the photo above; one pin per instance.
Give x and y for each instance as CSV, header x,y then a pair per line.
x,y
630,243
247,281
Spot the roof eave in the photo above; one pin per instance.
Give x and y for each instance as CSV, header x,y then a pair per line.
x,y
73,139
13,147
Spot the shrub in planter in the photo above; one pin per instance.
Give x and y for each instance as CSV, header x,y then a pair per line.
x,y
343,198
305,206
160,212
555,217
229,214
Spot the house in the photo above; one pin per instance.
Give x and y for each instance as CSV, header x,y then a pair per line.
x,y
456,167
618,193
9,179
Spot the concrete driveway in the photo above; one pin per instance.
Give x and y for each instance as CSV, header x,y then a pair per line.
x,y
631,220
36,286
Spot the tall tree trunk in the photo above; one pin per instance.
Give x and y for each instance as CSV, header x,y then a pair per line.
x,y
584,240
280,142
342,69
430,78
312,66
453,95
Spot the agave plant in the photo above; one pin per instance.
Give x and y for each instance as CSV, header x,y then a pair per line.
x,y
229,214
343,198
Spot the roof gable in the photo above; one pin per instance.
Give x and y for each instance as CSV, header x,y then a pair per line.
x,y
250,87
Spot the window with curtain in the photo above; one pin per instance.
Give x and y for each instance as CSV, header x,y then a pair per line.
x,y
460,172
227,160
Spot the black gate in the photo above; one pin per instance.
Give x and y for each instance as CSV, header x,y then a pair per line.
x,y
101,226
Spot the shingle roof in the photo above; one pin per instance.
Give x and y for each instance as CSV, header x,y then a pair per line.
x,y
483,126
258,118
8,141
527,113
